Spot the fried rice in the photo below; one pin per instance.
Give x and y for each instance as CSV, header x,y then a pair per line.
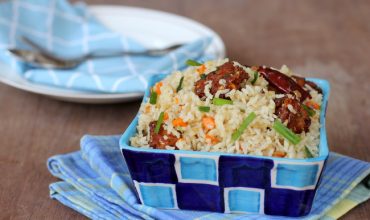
x,y
259,138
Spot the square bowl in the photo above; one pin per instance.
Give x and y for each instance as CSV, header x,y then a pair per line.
x,y
223,182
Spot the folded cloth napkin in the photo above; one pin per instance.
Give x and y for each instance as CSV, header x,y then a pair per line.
x,y
70,31
96,183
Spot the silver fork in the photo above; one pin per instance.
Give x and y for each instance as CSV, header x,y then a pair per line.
x,y
40,57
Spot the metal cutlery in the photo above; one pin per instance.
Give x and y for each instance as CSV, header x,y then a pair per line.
x,y
39,57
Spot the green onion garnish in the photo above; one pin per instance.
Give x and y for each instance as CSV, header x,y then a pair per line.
x,y
192,63
203,76
220,101
159,123
179,87
286,132
235,136
309,110
255,77
204,108
308,152
153,98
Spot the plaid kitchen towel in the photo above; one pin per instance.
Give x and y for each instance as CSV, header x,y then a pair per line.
x,y
71,31
96,183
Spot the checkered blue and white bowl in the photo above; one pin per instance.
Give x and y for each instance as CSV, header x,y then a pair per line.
x,y
220,182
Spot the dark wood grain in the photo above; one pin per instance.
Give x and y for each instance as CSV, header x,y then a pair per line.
x,y
328,39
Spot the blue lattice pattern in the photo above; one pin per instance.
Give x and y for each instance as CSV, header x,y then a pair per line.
x,y
223,183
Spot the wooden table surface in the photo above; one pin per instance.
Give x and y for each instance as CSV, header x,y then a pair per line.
x,y
328,39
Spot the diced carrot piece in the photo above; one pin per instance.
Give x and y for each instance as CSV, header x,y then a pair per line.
x,y
201,69
147,109
158,87
180,139
177,100
165,116
179,122
313,105
279,154
213,139
208,123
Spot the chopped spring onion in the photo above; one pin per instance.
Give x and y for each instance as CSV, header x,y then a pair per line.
x,y
309,110
203,76
308,152
192,63
220,101
159,123
255,77
286,132
179,87
204,108
153,98
235,136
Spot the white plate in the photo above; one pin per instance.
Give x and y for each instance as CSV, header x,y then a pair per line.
x,y
149,27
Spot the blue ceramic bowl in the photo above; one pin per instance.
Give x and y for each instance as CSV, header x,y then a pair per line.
x,y
221,182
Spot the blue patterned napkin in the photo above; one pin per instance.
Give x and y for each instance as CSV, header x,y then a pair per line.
x,y
71,31
96,183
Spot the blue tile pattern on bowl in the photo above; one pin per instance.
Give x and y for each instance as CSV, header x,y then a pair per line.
x,y
288,202
296,175
244,200
224,183
151,168
157,195
206,168
245,172
202,197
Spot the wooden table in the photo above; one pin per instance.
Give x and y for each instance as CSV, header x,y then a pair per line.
x,y
328,39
